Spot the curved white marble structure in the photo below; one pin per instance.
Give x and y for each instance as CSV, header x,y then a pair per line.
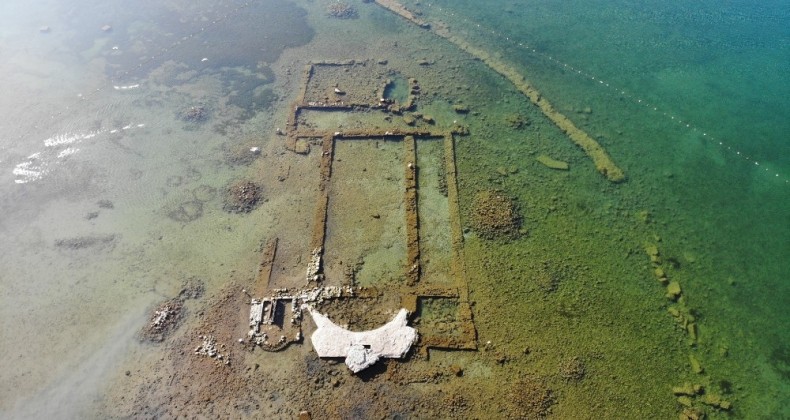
x,y
362,348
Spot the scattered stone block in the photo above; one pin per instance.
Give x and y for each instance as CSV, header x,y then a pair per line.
x,y
685,389
691,328
302,147
457,370
673,290
724,351
696,367
652,252
716,401
553,163
359,357
644,216
691,414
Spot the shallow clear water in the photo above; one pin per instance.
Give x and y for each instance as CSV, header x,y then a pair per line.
x,y
111,197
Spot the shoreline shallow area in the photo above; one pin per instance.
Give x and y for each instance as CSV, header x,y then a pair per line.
x,y
209,174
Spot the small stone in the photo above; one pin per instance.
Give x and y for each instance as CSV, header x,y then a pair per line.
x,y
724,351
359,358
305,415
302,147
692,330
685,389
673,290
644,216
691,414
106,28
44,29
696,367
716,401
461,109
457,370
552,163
652,249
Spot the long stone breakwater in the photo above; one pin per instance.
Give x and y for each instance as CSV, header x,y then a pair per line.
x,y
603,162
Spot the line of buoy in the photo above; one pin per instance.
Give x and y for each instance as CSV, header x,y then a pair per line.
x,y
636,99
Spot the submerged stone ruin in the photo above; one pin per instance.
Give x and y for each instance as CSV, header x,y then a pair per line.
x,y
358,88
242,196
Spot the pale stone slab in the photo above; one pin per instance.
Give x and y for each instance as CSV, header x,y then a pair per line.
x,y
362,348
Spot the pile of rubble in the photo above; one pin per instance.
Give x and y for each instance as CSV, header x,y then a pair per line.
x,y
341,10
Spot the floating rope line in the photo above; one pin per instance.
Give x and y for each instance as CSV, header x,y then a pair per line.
x,y
621,92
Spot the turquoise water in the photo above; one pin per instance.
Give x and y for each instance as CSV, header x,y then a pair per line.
x,y
719,67
663,83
